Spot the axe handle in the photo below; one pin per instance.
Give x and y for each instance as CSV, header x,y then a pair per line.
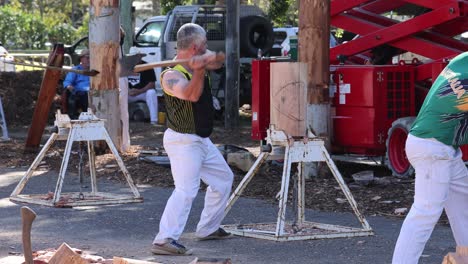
x,y
64,68
166,63
27,218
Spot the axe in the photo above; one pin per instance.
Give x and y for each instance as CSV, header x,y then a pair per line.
x,y
129,63
27,218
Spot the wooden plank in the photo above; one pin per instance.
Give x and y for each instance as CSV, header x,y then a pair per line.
x,y
288,97
66,255
46,95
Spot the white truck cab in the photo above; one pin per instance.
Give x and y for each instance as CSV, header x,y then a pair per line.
x,y
147,41
157,38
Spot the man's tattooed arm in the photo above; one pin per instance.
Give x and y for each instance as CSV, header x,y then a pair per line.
x,y
169,83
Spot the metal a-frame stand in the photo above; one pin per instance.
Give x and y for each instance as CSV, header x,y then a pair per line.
x,y
310,150
3,123
87,128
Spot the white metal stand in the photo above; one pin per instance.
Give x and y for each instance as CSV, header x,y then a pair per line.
x,y
309,150
3,123
87,128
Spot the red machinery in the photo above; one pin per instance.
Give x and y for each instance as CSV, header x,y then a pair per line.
x,y
260,98
375,105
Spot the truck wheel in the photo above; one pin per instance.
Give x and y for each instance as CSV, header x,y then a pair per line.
x,y
256,32
396,159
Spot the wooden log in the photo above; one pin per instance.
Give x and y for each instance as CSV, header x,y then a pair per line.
x,y
314,42
46,95
66,255
288,97
104,36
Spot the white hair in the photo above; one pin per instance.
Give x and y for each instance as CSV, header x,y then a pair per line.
x,y
188,34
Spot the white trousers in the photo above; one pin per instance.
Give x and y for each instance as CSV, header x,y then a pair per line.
x,y
151,101
194,158
441,183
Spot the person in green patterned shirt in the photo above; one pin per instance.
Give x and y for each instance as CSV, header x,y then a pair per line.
x,y
433,149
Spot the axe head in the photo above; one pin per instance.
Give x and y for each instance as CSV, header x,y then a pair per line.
x,y
128,62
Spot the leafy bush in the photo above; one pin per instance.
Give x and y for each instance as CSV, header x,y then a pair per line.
x,y
20,29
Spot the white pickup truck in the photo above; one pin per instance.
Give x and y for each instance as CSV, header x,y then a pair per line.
x,y
157,37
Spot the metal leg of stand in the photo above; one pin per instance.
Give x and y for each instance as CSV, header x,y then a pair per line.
x,y
245,181
300,194
64,166
121,164
345,189
284,193
92,167
34,165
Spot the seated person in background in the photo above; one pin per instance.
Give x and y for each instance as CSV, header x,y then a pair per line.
x,y
141,87
77,87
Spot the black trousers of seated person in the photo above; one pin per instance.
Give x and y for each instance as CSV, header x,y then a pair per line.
x,y
77,103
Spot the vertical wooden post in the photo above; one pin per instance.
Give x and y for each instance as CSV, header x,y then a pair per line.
x,y
314,45
126,21
44,99
314,39
231,94
156,7
104,52
127,24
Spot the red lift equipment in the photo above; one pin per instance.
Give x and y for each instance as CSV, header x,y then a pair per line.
x,y
375,105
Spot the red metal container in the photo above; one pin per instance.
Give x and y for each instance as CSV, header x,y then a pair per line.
x,y
366,100
260,98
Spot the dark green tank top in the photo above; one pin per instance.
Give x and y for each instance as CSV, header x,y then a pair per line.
x,y
188,117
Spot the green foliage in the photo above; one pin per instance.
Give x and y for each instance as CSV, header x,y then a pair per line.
x,y
29,24
283,13
339,33
168,5
21,30
84,29
61,33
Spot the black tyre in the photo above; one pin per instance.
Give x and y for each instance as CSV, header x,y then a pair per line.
x,y
256,32
396,159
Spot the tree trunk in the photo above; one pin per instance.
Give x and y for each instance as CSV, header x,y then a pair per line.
x,y
314,41
104,49
156,7
231,113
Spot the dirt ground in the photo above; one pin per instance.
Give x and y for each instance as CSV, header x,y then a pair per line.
x,y
382,197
